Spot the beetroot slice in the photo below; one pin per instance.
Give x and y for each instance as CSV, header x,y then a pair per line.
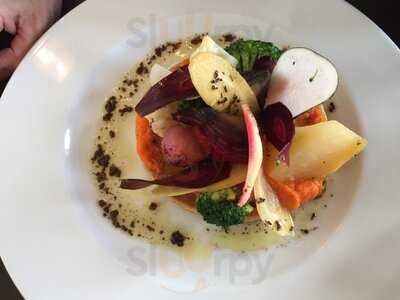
x,y
279,128
201,175
226,142
175,86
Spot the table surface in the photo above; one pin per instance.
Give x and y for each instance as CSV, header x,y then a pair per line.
x,y
383,13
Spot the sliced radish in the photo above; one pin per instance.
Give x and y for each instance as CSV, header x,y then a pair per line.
x,y
157,73
255,153
301,80
220,84
271,213
209,45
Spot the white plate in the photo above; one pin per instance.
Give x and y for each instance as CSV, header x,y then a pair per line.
x,y
56,245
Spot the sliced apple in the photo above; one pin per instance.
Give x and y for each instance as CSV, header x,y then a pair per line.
x,y
255,154
301,80
209,45
273,215
317,151
219,84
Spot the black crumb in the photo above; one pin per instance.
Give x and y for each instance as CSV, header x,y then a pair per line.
x,y
312,217
115,171
331,107
102,203
111,104
229,37
142,69
178,239
196,40
153,206
112,134
126,109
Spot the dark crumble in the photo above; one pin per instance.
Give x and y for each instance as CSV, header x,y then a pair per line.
x,y
142,69
102,203
229,37
125,110
150,228
101,176
305,231
111,104
107,117
153,206
114,171
177,239
112,134
98,153
278,226
331,107
196,40
313,215
104,161
132,225
160,49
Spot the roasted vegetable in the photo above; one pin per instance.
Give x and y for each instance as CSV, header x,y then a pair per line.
x,y
247,52
219,84
220,207
203,174
316,151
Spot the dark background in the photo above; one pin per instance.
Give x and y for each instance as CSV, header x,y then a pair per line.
x,y
384,13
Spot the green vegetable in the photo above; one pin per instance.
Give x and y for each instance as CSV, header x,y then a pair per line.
x,y
196,104
220,208
248,51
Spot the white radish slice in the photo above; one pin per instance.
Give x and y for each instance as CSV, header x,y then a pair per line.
x,y
161,119
157,73
255,154
301,80
208,45
271,213
219,84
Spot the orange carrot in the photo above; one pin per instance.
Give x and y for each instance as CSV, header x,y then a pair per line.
x,y
148,146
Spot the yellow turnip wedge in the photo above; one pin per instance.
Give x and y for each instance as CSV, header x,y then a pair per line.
x,y
219,84
316,151
271,213
255,154
209,45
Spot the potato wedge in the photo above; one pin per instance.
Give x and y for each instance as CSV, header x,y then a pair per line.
x,y
317,151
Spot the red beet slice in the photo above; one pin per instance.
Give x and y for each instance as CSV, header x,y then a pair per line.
x,y
175,86
201,175
278,126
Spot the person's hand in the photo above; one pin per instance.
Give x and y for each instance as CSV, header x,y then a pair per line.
x,y
27,20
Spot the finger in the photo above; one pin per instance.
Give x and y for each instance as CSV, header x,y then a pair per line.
x,y
8,23
8,62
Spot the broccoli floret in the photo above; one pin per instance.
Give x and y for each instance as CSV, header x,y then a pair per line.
x,y
220,207
196,104
248,51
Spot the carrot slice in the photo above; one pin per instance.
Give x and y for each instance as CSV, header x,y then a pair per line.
x,y
148,146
